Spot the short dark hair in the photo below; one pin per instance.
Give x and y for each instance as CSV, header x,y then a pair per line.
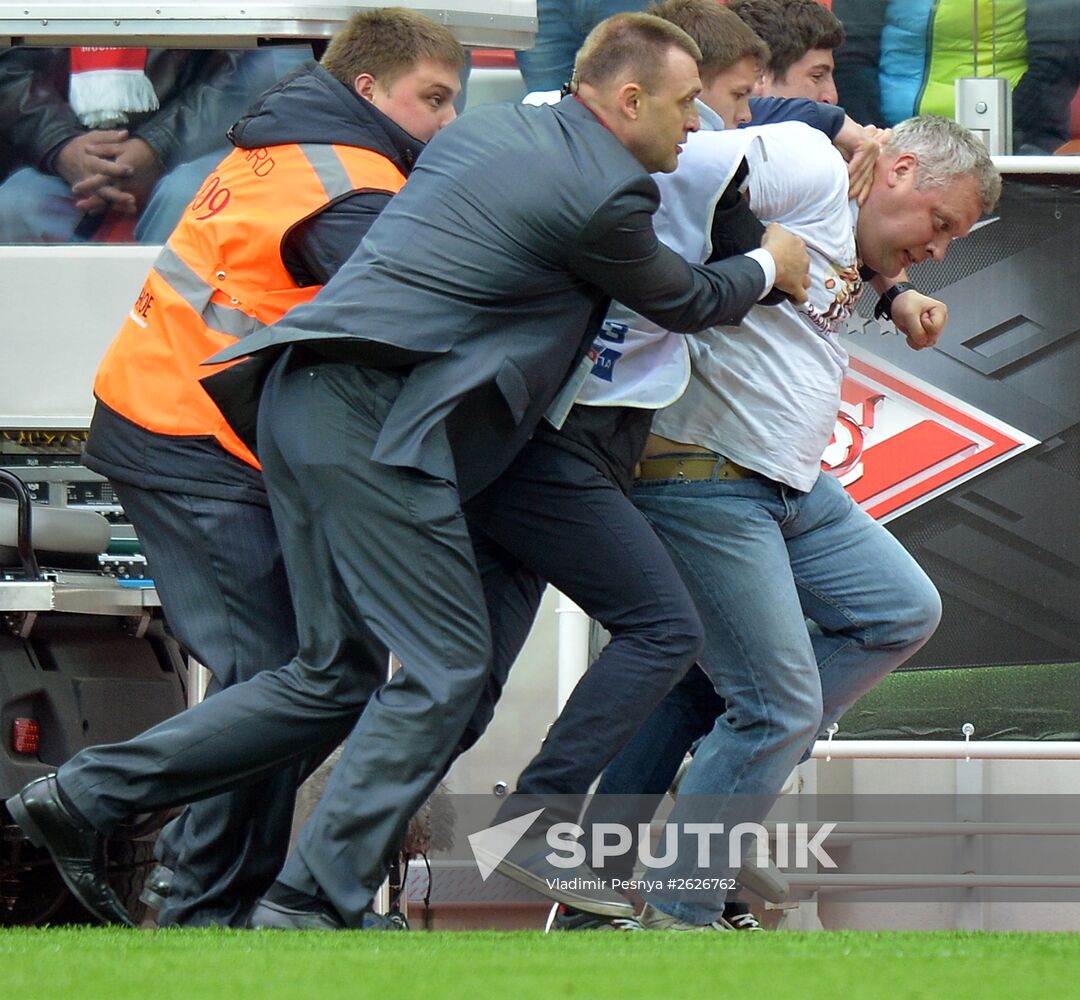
x,y
723,38
632,42
387,43
791,28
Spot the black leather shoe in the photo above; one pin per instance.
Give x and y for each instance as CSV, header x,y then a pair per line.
x,y
157,887
77,849
274,916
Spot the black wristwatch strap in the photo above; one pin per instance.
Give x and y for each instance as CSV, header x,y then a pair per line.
x,y
883,309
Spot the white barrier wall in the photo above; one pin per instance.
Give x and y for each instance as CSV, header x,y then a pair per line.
x,y
62,307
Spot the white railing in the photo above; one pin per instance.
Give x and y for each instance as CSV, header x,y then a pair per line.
x,y
946,750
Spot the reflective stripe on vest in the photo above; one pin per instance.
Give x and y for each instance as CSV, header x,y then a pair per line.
x,y
221,277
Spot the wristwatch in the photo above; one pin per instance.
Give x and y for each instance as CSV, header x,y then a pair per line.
x,y
883,309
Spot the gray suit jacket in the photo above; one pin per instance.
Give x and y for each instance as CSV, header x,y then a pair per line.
x,y
488,273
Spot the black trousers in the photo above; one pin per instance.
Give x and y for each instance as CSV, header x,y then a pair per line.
x,y
554,516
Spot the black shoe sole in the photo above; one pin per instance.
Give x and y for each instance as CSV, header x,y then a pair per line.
x,y
274,918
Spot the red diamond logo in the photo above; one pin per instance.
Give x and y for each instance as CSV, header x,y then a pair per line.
x,y
899,442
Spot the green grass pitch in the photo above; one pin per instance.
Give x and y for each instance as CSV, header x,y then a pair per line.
x,y
92,963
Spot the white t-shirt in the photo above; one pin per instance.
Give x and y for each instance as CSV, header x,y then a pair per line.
x,y
637,362
765,393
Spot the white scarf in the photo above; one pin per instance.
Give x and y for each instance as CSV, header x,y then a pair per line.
x,y
107,85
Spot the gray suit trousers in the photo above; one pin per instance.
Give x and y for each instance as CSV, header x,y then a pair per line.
x,y
219,573
377,557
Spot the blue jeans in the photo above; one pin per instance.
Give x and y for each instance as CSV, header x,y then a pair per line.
x,y
37,208
172,194
563,25
759,558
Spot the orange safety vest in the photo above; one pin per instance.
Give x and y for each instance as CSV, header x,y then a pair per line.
x,y
221,277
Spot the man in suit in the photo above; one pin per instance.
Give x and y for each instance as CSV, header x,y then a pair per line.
x,y
405,387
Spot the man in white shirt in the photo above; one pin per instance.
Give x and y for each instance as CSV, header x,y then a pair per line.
x,y
732,484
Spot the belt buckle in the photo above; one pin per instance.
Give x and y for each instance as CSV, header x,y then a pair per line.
x,y
712,460
681,463
675,467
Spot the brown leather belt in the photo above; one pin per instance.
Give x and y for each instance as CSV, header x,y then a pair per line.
x,y
692,466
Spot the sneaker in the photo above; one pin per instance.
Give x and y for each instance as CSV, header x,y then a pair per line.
x,y
652,919
569,919
395,920
737,917
579,886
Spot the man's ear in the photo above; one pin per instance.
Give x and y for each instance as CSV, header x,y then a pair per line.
x,y
364,85
903,168
628,100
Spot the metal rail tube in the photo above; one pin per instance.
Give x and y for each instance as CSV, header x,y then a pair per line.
x,y
946,750
24,524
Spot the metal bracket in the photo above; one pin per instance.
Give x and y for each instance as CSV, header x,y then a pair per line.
x,y
20,623
967,730
137,625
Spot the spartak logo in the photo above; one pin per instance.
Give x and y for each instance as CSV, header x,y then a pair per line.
x,y
899,442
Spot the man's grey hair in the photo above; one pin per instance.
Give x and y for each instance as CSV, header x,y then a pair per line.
x,y
946,151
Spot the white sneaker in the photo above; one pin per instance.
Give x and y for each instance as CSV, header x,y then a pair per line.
x,y
741,922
